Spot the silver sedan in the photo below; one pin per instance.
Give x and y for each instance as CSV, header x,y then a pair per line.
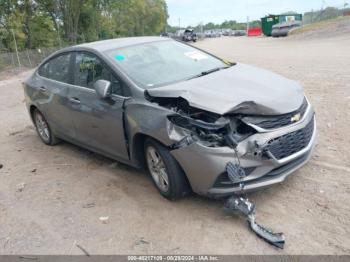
x,y
195,121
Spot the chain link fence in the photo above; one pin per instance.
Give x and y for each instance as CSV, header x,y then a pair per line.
x,y
25,59
326,13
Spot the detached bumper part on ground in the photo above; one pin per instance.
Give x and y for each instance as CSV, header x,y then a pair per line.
x,y
240,206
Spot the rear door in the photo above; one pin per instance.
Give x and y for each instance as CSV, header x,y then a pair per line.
x,y
98,122
52,82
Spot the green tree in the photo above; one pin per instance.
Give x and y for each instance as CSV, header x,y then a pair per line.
x,y
43,33
89,22
40,23
11,24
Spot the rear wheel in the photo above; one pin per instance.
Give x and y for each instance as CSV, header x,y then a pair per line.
x,y
43,129
166,173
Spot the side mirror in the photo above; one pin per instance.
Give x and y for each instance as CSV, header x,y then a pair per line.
x,y
103,88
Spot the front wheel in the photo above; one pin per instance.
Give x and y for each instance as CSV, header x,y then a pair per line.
x,y
166,173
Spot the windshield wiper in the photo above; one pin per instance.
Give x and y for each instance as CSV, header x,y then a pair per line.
x,y
208,72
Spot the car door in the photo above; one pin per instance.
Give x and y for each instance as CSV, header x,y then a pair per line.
x,y
98,122
51,93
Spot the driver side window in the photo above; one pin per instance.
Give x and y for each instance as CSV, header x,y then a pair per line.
x,y
89,68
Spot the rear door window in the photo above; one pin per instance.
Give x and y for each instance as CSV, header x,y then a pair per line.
x,y
57,68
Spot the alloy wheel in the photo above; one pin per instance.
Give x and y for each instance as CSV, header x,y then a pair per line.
x,y
42,127
157,168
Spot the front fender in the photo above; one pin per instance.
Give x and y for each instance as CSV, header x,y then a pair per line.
x,y
149,120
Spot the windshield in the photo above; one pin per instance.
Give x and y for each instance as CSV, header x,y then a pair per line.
x,y
160,63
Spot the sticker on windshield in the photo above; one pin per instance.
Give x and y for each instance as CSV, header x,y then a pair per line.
x,y
119,57
195,55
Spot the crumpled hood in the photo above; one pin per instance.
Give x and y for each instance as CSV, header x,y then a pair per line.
x,y
239,89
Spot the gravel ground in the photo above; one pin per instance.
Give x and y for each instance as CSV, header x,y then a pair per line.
x,y
51,198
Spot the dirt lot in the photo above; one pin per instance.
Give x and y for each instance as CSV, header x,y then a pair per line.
x,y
66,188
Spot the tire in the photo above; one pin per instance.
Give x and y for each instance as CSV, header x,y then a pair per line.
x,y
43,129
177,185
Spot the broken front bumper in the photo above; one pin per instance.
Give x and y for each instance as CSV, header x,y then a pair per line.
x,y
265,162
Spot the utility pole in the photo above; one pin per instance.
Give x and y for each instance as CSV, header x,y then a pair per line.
x,y
247,25
58,25
58,33
345,5
14,39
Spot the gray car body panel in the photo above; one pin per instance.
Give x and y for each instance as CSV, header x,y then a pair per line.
x,y
240,89
51,97
111,127
98,123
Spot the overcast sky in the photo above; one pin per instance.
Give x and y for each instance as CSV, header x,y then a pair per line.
x,y
192,12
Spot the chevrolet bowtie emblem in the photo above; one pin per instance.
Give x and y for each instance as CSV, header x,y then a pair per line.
x,y
295,118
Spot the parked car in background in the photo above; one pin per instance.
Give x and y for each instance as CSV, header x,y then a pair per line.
x,y
227,32
217,33
208,33
186,115
212,33
165,34
189,35
240,32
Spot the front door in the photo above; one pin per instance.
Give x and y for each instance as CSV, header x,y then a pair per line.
x,y
98,122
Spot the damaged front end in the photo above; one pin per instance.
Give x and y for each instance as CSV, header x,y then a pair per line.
x,y
206,142
203,127
267,148
231,154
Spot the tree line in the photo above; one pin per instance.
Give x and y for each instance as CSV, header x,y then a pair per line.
x,y
47,23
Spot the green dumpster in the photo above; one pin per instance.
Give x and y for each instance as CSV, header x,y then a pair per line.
x,y
267,22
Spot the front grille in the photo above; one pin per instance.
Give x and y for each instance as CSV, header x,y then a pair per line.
x,y
291,143
273,122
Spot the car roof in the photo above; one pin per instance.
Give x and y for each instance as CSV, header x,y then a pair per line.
x,y
105,45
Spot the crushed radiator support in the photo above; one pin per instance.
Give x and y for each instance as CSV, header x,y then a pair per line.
x,y
239,205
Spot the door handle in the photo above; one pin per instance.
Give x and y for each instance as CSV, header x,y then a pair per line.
x,y
74,100
42,88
